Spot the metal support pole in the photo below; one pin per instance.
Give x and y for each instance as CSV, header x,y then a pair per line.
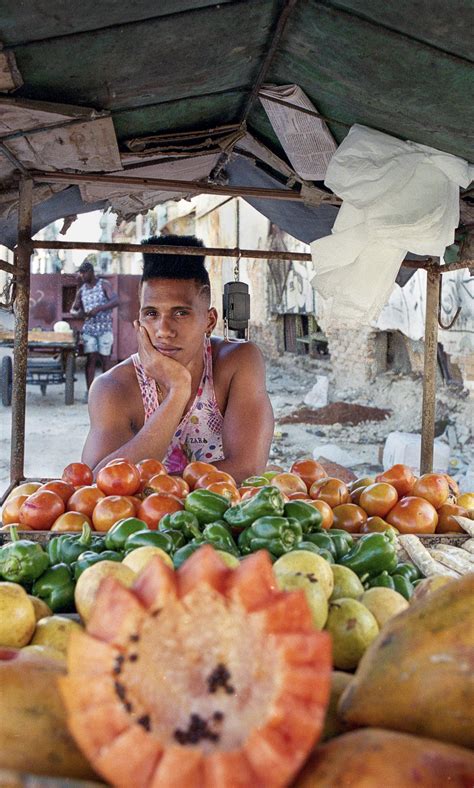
x,y
429,371
20,342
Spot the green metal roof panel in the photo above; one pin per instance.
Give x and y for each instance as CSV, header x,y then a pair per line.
x,y
26,21
162,59
440,23
196,112
358,72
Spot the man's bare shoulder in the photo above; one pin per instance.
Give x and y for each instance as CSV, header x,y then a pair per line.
x,y
119,383
233,355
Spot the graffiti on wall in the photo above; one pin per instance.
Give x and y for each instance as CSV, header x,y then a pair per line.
x,y
290,290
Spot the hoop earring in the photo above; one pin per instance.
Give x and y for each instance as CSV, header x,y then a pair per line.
x,y
208,334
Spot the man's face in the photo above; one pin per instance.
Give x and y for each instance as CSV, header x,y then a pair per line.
x,y
176,316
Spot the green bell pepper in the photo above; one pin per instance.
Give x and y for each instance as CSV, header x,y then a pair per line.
x,y
219,536
177,537
383,580
371,555
276,534
323,541
89,558
408,570
313,548
117,536
67,548
147,538
308,516
403,586
185,552
22,560
56,588
183,521
342,541
268,501
206,506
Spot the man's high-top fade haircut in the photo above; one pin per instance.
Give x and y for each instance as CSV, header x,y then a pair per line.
x,y
175,266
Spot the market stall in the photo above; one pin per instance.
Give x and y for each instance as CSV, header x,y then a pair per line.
x,y
292,608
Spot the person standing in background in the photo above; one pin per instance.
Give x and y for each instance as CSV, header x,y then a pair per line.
x,y
95,300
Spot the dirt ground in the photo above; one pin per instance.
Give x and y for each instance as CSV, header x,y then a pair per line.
x,y
347,431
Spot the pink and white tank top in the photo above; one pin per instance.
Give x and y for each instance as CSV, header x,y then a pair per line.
x,y
199,434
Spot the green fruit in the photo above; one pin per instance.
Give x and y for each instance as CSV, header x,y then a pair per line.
x,y
333,725
314,592
306,563
353,628
384,603
346,583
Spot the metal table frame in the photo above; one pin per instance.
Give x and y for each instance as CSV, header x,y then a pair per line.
x,y
21,273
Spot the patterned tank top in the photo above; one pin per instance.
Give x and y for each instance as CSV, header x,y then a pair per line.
x,y
199,434
91,297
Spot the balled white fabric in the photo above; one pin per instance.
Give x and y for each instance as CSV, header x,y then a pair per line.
x,y
398,197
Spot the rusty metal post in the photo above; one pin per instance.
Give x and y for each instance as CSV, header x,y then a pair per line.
x,y
429,370
20,342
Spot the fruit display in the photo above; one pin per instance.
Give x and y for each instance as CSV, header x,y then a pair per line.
x,y
236,697
417,676
215,633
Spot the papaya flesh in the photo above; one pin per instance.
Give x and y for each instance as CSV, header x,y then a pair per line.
x,y
208,676
372,758
418,675
33,732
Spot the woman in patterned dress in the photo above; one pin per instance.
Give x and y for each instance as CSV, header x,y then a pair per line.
x,y
185,395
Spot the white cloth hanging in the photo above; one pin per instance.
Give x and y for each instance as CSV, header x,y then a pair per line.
x,y
398,197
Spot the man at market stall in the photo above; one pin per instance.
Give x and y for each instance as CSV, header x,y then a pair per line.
x,y
185,395
95,300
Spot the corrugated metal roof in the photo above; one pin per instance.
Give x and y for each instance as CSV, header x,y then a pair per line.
x,y
404,68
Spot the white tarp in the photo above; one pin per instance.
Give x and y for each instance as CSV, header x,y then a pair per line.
x,y
397,197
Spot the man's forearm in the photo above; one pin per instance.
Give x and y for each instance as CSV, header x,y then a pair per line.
x,y
154,437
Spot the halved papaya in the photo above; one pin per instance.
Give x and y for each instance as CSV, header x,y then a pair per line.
x,y
200,682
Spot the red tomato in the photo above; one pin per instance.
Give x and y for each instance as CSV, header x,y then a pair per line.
x,y
332,491
362,481
377,499
155,506
356,493
11,509
120,478
169,485
446,522
211,477
70,521
413,515
78,474
194,470
326,512
41,509
61,488
134,501
289,483
299,496
399,476
109,510
349,517
84,499
226,489
148,468
433,487
309,470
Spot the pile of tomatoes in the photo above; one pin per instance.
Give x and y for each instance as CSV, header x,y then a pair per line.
x,y
394,498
